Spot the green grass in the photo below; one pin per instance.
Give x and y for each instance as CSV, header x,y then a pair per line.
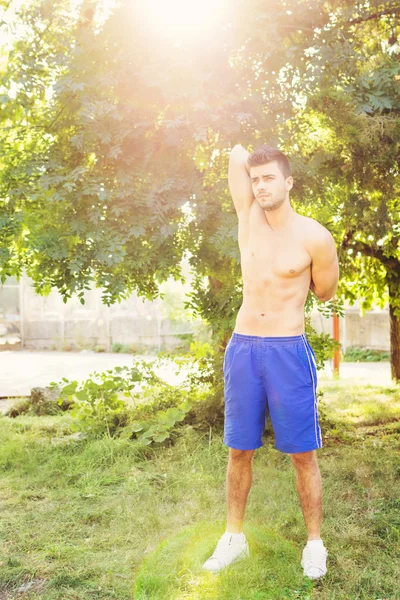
x,y
110,519
370,409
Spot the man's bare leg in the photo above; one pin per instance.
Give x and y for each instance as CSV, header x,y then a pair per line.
x,y
309,488
231,547
238,484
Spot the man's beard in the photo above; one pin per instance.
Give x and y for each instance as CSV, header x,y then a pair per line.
x,y
272,203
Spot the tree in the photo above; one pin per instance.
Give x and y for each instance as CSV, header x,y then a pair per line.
x,y
112,139
106,141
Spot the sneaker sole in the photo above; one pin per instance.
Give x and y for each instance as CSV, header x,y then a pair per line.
x,y
242,556
310,576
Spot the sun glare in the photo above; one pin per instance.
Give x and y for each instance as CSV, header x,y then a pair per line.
x,y
184,18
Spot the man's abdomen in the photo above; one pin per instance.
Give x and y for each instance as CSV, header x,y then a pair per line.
x,y
268,323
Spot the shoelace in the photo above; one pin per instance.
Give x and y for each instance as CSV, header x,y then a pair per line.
x,y
316,558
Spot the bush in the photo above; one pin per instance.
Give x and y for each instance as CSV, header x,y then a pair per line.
x,y
159,407
365,354
168,408
97,407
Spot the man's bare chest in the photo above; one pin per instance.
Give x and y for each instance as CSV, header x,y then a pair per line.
x,y
266,255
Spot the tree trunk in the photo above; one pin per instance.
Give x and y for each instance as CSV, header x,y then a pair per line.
x,y
216,286
394,303
394,345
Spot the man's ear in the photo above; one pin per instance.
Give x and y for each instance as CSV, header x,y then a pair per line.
x,y
289,183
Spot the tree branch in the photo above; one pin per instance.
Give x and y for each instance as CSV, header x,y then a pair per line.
x,y
389,11
348,236
391,264
369,251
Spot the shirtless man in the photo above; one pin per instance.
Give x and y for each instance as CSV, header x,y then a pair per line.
x,y
269,365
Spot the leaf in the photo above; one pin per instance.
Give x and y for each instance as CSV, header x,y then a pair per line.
x,y
126,433
136,427
82,395
161,437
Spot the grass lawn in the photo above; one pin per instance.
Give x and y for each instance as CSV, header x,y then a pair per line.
x,y
110,519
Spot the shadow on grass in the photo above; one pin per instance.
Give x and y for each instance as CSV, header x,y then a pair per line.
x,y
174,570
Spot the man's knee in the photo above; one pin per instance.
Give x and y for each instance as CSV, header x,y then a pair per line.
x,y
242,455
304,459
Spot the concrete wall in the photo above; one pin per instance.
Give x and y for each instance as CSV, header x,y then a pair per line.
x,y
48,323
370,331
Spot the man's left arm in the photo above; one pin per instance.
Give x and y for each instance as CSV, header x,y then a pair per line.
x,y
324,266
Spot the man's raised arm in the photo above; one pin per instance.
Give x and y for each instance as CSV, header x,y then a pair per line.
x,y
239,179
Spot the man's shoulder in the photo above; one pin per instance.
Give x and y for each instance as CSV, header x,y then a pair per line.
x,y
314,228
316,237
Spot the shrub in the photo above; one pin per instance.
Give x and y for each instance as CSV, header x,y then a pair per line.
x,y
97,407
357,354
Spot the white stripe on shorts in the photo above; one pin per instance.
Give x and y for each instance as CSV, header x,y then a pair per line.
x,y
318,435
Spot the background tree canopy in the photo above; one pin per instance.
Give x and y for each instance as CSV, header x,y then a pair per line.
x,y
116,133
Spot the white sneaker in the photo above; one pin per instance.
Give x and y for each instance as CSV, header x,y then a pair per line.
x,y
227,552
314,560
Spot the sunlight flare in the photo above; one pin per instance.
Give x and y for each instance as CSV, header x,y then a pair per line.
x,y
181,18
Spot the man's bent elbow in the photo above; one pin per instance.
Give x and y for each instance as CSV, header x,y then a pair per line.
x,y
327,297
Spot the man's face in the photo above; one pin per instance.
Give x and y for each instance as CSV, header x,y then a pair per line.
x,y
269,185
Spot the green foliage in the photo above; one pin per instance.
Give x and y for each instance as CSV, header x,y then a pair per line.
x,y
158,428
322,343
365,354
97,407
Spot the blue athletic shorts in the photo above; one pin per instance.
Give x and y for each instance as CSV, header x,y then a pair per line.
x,y
275,376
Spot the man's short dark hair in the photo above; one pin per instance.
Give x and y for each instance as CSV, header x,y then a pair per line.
x,y
266,154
